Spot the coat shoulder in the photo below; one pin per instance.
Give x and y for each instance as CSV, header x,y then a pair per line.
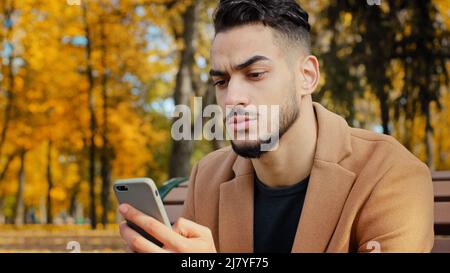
x,y
394,195
383,150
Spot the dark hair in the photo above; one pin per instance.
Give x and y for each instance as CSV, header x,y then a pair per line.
x,y
285,16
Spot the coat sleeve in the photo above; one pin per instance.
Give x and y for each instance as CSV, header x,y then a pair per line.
x,y
398,215
188,210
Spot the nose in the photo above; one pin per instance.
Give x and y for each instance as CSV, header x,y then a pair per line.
x,y
236,94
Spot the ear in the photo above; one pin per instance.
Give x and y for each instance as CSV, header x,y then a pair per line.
x,y
309,75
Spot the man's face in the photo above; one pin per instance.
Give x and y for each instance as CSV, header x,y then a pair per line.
x,y
250,69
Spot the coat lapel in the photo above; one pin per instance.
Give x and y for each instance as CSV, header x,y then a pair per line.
x,y
236,210
329,184
327,191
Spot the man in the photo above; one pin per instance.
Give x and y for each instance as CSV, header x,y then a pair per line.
x,y
325,188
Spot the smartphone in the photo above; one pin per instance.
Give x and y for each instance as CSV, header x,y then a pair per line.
x,y
142,194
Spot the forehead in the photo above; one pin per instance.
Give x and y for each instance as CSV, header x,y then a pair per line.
x,y
239,43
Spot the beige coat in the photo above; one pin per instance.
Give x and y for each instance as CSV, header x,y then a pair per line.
x,y
366,192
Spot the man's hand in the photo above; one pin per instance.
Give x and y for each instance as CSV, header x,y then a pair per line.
x,y
185,235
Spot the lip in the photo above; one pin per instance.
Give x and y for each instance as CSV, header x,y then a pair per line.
x,y
237,123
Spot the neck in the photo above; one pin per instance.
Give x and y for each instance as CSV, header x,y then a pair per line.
x,y
288,164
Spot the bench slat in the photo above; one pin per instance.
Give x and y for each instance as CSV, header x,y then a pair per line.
x,y
442,218
440,175
176,196
441,245
441,191
442,213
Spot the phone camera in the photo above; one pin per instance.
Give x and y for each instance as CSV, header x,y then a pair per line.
x,y
122,188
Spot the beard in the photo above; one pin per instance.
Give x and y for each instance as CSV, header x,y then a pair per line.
x,y
289,113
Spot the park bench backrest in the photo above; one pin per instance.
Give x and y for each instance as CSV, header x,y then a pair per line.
x,y
441,186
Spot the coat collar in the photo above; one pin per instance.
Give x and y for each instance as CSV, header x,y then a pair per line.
x,y
328,188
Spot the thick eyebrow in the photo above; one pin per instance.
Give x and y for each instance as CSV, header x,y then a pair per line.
x,y
241,66
251,61
218,73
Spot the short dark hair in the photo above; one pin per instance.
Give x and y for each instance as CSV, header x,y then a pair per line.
x,y
285,16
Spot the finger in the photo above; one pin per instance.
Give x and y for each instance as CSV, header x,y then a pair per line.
x,y
189,228
179,230
137,243
128,249
152,226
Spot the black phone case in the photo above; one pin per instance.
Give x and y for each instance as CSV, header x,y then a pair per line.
x,y
144,234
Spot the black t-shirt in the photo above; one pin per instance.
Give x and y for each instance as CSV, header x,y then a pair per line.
x,y
276,215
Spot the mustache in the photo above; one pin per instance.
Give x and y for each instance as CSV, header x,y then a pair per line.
x,y
240,112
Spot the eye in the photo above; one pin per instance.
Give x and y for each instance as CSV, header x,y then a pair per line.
x,y
256,75
220,83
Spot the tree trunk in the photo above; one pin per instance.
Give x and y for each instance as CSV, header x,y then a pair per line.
x,y
106,182
2,205
2,176
73,198
377,60
19,208
105,152
92,119
182,150
384,110
49,183
42,210
7,13
429,143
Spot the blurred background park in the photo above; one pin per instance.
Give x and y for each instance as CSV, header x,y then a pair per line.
x,y
87,88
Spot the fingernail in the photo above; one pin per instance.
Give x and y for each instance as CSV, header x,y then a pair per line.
x,y
123,208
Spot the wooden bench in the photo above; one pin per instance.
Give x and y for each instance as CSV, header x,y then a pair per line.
x,y
441,186
174,199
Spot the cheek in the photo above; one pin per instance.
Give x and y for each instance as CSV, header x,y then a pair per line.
x,y
274,93
220,99
285,88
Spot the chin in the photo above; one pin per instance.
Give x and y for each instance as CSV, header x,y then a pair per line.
x,y
248,149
